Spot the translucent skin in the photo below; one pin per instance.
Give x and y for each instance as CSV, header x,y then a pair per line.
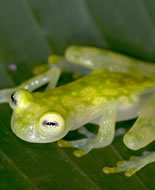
x,y
119,88
77,102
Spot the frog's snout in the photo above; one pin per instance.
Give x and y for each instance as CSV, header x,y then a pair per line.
x,y
20,98
24,131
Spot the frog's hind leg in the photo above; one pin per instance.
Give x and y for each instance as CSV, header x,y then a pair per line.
x,y
143,131
140,135
104,136
51,77
97,58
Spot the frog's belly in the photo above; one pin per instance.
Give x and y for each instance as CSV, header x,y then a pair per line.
x,y
125,112
130,111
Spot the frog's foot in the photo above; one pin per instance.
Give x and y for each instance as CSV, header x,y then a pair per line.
x,y
132,166
82,145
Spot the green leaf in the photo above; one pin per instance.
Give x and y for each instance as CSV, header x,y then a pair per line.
x,y
30,30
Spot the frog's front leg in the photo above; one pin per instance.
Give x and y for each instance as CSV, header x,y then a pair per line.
x,y
51,77
140,135
104,136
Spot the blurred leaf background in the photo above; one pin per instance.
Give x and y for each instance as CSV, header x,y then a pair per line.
x,y
30,30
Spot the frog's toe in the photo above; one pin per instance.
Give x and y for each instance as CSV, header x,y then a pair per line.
x,y
64,143
79,153
128,173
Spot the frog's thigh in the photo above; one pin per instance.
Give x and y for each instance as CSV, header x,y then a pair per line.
x,y
96,58
50,77
104,136
133,165
85,56
143,131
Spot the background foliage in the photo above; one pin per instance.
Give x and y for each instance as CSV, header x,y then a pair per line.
x,y
30,30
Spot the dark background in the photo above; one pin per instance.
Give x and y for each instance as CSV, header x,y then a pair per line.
x,y
30,30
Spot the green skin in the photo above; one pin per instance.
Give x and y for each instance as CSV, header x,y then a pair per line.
x,y
118,89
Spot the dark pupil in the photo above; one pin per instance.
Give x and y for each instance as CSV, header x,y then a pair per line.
x,y
14,101
50,123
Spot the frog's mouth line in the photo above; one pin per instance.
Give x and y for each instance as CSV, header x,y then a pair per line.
x,y
32,136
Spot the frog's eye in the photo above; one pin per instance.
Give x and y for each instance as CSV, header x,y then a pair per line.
x,y
51,122
14,100
20,98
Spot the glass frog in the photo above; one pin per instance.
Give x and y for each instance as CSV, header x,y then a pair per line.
x,y
118,88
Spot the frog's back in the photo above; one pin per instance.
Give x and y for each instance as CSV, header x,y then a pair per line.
x,y
85,98
110,84
101,86
119,83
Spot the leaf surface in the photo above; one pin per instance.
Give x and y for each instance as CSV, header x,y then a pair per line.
x,y
30,30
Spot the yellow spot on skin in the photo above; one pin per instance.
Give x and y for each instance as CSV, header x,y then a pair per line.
x,y
88,92
99,100
78,153
110,92
113,82
63,143
80,108
68,101
74,94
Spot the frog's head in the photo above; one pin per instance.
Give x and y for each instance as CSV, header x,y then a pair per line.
x,y
31,120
